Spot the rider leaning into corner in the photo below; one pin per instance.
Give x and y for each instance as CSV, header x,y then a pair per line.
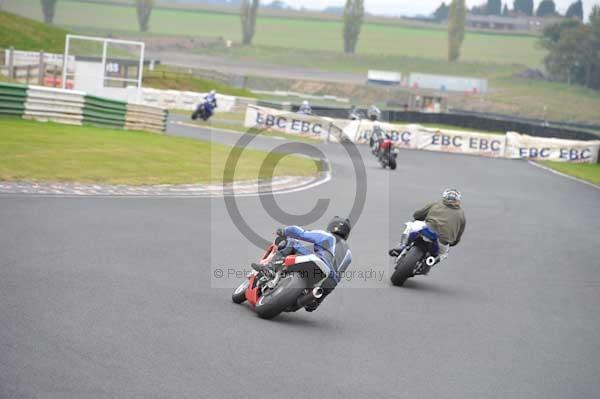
x,y
445,218
211,98
330,246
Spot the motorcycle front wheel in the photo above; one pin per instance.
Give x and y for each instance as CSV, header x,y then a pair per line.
x,y
282,297
405,265
239,295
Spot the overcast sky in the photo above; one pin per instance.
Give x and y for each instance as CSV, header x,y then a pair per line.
x,y
414,7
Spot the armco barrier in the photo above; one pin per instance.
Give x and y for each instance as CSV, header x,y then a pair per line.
x,y
74,107
103,112
12,99
143,117
47,104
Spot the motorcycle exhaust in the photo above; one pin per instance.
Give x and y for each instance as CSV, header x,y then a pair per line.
x,y
430,261
309,298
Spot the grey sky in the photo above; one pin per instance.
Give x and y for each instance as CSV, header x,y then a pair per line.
x,y
413,7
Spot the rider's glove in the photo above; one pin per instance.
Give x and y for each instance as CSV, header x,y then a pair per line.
x,y
280,232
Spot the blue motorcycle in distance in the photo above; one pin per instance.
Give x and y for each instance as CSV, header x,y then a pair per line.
x,y
205,109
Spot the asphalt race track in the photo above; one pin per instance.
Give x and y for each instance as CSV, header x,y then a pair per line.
x,y
116,297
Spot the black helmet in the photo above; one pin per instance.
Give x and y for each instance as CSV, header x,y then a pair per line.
x,y
340,227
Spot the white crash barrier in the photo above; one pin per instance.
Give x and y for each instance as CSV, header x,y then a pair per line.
x,y
551,149
183,100
291,123
482,144
511,145
57,105
145,117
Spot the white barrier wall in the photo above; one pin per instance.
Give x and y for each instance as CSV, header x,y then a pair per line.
x,y
288,122
175,99
550,149
57,105
511,145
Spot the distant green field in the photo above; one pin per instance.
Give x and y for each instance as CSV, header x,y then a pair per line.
x,y
309,34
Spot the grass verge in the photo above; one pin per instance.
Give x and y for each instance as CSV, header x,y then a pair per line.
x,y
167,79
586,171
34,151
27,34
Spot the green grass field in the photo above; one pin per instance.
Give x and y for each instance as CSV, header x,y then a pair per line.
x,y
165,78
25,34
585,171
311,34
34,151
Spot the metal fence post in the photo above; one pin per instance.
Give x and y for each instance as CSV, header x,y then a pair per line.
x,y
41,69
11,52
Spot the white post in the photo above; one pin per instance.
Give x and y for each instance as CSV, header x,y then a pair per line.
x,y
143,48
65,62
104,50
41,69
11,62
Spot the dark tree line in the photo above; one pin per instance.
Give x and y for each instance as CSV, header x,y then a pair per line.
x,y
545,8
574,51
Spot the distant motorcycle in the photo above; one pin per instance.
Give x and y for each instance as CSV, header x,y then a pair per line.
x,y
204,110
382,146
419,254
387,154
293,282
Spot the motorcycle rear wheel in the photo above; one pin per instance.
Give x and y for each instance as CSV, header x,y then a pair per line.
x,y
282,297
405,266
393,162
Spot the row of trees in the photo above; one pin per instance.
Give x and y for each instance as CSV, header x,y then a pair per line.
x,y
546,8
354,12
574,51
144,9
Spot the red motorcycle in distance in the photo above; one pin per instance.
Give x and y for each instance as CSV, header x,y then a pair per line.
x,y
291,283
382,146
387,153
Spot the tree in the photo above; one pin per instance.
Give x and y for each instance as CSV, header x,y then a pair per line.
x,y
441,13
523,6
456,28
546,8
574,50
48,9
479,10
505,11
144,9
353,17
575,10
493,7
249,9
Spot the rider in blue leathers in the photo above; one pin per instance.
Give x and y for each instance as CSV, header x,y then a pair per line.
x,y
330,246
210,102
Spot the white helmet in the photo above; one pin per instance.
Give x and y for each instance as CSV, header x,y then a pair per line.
x,y
305,102
452,195
213,92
